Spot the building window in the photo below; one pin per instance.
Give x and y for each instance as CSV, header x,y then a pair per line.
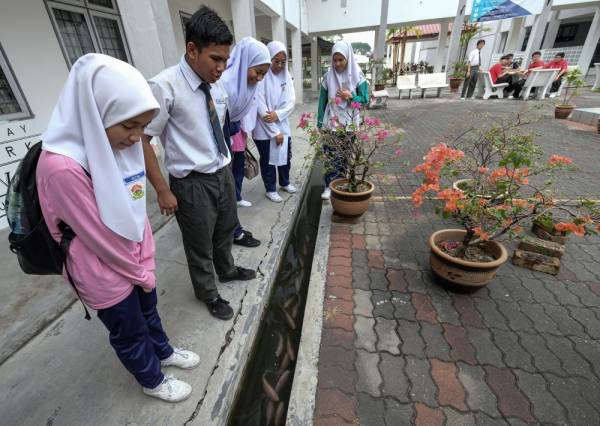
x,y
12,103
566,32
185,18
526,39
87,26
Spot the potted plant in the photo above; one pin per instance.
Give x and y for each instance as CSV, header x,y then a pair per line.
x,y
518,181
573,80
459,71
354,145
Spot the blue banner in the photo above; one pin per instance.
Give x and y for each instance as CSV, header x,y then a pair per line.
x,y
493,10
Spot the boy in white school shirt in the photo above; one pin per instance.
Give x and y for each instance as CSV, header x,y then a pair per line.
x,y
201,189
473,66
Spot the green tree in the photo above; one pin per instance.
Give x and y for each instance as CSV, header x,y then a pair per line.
x,y
361,47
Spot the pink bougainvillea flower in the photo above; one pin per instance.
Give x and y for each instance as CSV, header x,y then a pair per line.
x,y
483,170
556,160
381,135
337,100
356,105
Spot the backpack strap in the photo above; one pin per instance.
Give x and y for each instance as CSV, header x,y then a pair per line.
x,y
65,242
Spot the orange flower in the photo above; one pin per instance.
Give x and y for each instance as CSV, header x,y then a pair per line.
x,y
483,170
482,202
518,229
557,160
451,196
517,202
479,232
578,230
507,222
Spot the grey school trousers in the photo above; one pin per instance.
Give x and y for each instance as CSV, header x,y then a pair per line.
x,y
207,215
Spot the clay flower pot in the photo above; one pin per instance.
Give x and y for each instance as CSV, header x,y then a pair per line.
x,y
350,203
563,111
455,84
464,272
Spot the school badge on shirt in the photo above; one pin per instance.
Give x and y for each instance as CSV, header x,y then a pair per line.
x,y
136,185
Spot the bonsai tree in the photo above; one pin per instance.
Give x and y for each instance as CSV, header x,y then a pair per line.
x,y
510,182
358,147
574,81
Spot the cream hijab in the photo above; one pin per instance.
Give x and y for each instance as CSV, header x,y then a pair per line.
x,y
100,92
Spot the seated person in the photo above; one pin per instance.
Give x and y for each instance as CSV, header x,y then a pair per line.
x,y
558,62
500,74
512,63
536,63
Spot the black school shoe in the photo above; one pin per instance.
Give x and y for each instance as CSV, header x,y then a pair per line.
x,y
240,274
247,240
219,308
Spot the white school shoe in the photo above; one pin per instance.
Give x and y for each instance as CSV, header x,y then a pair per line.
x,y
463,99
511,97
182,359
553,94
275,197
290,189
170,390
326,195
244,203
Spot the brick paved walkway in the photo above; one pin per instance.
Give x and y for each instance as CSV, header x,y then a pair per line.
x,y
398,349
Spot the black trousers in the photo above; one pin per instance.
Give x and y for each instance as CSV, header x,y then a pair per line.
x,y
207,216
470,83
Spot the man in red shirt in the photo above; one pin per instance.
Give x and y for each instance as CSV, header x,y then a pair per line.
x,y
561,64
500,74
536,61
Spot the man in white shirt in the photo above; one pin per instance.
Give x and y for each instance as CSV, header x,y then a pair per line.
x,y
474,63
201,193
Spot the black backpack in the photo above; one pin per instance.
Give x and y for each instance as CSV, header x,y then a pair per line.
x,y
29,238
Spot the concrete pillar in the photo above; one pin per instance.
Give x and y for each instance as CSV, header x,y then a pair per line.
x,y
297,64
441,49
537,31
552,31
314,63
380,39
591,41
278,29
457,25
244,22
413,51
515,35
416,52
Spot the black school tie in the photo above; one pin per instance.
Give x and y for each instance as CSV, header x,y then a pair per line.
x,y
214,120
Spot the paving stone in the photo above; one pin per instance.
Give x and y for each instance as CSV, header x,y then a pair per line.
x,y
337,337
479,396
515,355
579,411
469,316
382,304
511,401
361,279
518,292
415,281
398,414
412,343
422,387
372,242
492,318
516,320
486,351
336,356
370,410
367,368
539,291
586,317
542,323
362,303
333,319
396,280
387,336
445,310
340,306
403,307
590,350
365,333
460,348
427,416
435,345
378,279
331,421
571,361
482,419
562,293
454,418
450,390
334,377
424,308
375,259
395,381
333,402
545,407
359,258
566,324
543,359
359,241
586,296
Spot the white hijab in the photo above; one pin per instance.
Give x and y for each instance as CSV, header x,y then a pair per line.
x,y
350,78
275,97
100,92
247,53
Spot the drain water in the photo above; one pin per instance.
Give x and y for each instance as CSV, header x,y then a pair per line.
x,y
265,389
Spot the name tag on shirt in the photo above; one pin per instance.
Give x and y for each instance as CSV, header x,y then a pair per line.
x,y
136,185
